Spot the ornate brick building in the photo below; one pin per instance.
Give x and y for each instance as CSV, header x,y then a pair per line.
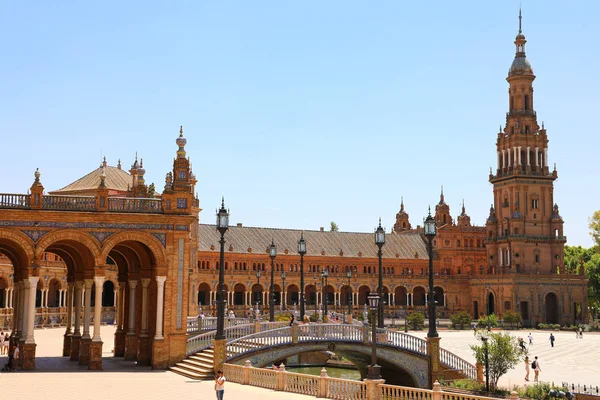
x,y
146,261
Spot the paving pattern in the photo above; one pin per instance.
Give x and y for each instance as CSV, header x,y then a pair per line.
x,y
570,360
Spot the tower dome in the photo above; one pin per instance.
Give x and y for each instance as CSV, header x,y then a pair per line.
x,y
181,142
520,65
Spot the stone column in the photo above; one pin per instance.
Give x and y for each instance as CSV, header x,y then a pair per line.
x,y
433,349
508,164
95,349
160,286
519,153
120,310
130,339
528,157
144,342
86,339
76,338
68,335
28,347
537,158
503,159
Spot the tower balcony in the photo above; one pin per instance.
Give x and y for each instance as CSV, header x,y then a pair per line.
x,y
523,171
521,112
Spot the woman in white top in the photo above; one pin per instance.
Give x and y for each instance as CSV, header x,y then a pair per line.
x,y
220,385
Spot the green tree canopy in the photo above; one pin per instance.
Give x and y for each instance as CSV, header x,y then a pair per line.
x,y
503,354
594,224
334,227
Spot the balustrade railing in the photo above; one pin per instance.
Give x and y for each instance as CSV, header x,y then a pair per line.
x,y
196,324
247,343
456,363
317,332
402,341
392,392
334,388
69,203
131,204
267,325
10,200
200,342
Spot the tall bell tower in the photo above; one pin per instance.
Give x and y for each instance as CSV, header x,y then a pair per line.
x,y
524,230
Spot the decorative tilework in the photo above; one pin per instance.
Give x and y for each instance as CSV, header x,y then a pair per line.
x,y
101,236
93,225
182,227
162,237
34,235
181,203
180,254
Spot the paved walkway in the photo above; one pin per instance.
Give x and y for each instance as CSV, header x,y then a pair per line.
x,y
570,360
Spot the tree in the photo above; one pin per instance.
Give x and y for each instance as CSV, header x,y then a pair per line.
x,y
485,320
460,319
334,227
575,258
503,354
512,317
594,224
151,190
416,319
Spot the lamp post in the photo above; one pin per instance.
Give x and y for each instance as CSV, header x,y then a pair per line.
x,y
302,252
283,291
487,362
222,226
258,283
315,279
406,308
489,306
374,369
324,276
429,226
272,254
349,294
380,241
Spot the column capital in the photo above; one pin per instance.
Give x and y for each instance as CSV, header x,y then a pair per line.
x,y
33,280
88,283
145,282
78,284
132,284
99,280
161,280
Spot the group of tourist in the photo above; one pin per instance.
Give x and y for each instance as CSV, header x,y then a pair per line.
x,y
13,353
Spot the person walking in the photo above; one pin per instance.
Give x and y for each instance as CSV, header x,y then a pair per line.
x,y
6,343
527,368
530,339
536,368
580,333
220,385
292,320
1,343
474,329
552,339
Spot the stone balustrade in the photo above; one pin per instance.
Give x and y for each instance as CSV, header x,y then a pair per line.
x,y
334,388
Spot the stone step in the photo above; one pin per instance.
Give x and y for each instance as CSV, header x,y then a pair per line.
x,y
194,368
199,364
190,374
204,359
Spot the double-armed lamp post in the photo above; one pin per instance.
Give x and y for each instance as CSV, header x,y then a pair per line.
x,y
222,226
373,371
272,254
302,252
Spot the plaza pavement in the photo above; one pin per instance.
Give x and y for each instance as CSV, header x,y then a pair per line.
x,y
56,378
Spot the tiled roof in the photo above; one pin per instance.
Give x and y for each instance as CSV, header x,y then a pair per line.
x,y
116,179
334,244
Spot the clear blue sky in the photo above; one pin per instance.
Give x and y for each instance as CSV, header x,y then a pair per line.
x,y
299,112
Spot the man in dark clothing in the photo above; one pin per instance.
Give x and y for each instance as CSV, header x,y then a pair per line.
x,y
552,340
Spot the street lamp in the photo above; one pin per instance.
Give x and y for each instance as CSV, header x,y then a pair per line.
x,y
380,241
406,308
315,279
429,226
373,371
349,294
487,362
258,283
324,276
283,290
222,226
489,306
272,254
302,252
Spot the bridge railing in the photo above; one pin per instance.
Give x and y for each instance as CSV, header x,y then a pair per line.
x,y
402,340
316,332
196,324
334,388
456,363
205,340
248,343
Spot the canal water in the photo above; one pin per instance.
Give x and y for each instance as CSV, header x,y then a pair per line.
x,y
333,372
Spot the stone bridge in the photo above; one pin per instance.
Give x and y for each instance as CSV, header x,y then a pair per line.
x,y
405,359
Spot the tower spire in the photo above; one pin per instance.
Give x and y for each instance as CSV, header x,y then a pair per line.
x,y
520,17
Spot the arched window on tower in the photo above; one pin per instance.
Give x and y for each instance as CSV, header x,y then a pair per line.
x,y
512,103
526,102
526,129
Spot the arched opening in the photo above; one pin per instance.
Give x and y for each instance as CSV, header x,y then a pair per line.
x,y
329,296
419,296
551,304
239,291
363,292
54,293
257,293
3,293
292,296
204,294
38,295
276,294
108,294
439,296
490,303
400,296
346,295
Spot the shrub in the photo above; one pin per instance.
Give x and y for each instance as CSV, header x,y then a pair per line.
x,y
512,318
491,319
460,319
416,320
503,354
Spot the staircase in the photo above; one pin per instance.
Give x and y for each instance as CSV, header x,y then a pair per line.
x,y
198,366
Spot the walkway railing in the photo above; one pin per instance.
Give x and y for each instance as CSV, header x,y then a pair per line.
x,y
131,204
402,340
329,332
334,388
195,324
9,200
456,363
245,344
66,203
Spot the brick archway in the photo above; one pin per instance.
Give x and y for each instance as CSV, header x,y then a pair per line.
x,y
20,242
90,242
145,238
